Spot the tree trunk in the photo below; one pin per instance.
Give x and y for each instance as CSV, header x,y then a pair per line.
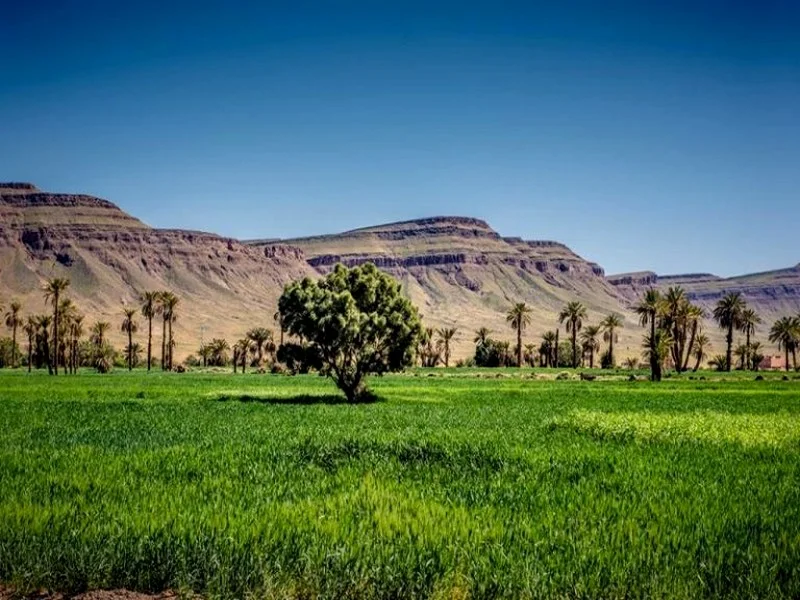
x,y
171,343
747,345
654,362
690,346
729,351
30,353
611,347
14,345
555,351
235,360
130,350
574,346
55,330
794,358
519,347
591,358
697,364
149,341
786,352
164,344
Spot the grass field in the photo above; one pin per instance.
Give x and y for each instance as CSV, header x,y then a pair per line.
x,y
457,484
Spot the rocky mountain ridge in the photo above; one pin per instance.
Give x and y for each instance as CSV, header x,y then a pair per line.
x,y
458,270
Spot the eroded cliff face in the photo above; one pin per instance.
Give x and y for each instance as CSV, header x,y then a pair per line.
x,y
772,294
462,273
225,286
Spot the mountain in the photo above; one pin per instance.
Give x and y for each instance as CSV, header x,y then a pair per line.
x,y
457,270
110,257
462,273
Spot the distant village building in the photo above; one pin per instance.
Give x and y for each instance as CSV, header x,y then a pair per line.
x,y
776,361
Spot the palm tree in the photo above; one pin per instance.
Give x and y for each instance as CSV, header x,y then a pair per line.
x,y
445,336
609,326
786,332
99,330
129,326
755,355
219,351
741,351
549,342
750,320
589,342
519,317
648,310
530,354
728,314
52,292
149,306
67,314
30,327
205,353
631,363
573,313
482,336
699,347
75,333
279,320
13,320
243,348
259,336
43,323
718,362
656,351
167,307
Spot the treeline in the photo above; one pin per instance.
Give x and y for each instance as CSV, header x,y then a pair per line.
x,y
674,338
62,341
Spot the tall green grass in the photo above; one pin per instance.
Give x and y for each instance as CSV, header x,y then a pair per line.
x,y
452,486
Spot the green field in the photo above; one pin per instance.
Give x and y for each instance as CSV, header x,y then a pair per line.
x,y
456,484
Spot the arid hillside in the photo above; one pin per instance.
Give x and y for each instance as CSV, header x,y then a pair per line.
x,y
458,270
462,273
110,257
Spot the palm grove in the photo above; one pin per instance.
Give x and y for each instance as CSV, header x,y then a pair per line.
x,y
355,322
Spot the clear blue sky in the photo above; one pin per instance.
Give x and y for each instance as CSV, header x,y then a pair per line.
x,y
646,137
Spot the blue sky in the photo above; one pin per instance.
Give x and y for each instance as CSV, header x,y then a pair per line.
x,y
645,137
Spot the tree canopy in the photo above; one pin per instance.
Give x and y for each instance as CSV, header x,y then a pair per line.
x,y
358,322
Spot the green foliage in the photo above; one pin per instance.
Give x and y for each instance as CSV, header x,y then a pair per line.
x,y
455,486
299,358
8,352
357,320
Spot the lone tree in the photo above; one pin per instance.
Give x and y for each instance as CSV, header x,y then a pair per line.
x,y
358,322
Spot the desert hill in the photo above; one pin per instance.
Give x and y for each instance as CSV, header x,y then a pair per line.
x,y
462,273
458,270
110,258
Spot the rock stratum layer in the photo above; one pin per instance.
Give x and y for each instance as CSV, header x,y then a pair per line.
x,y
458,270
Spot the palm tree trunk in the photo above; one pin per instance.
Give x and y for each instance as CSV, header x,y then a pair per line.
x,y
164,344
30,353
519,347
697,364
574,346
170,344
555,351
689,347
55,330
747,345
130,349
729,351
794,357
653,357
14,344
786,352
611,347
149,341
